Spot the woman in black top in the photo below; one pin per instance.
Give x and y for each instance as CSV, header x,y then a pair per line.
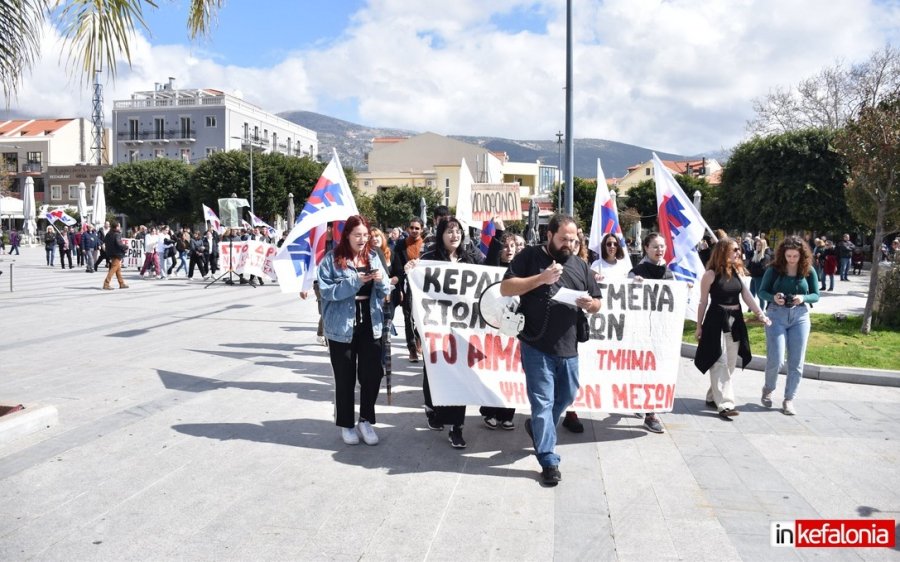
x,y
449,246
652,266
720,328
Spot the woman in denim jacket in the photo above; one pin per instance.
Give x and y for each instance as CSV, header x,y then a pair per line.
x,y
353,284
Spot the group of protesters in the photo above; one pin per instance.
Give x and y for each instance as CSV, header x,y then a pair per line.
x,y
364,278
167,252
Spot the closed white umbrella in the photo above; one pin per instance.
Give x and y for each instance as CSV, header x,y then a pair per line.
x,y
28,209
99,215
423,210
82,204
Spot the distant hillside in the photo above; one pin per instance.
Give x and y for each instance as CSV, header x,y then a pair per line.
x,y
354,141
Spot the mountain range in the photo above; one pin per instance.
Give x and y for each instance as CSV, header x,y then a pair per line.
x,y
353,141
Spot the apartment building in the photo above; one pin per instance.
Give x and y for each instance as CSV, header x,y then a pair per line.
x,y
191,124
37,148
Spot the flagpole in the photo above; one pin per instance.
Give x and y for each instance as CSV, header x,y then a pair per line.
x,y
570,141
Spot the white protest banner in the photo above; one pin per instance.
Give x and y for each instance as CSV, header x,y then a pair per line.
x,y
491,200
247,256
134,254
630,364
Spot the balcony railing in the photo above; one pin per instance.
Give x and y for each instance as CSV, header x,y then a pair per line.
x,y
33,167
168,134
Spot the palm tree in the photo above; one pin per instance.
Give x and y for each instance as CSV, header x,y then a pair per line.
x,y
96,32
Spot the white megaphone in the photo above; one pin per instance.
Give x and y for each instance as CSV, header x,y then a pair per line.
x,y
500,312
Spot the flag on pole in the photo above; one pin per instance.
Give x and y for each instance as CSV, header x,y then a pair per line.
x,y
680,225
303,249
61,216
211,217
464,196
488,231
606,217
256,221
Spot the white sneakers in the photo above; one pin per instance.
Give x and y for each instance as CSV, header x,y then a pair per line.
x,y
349,435
788,408
366,432
363,429
766,397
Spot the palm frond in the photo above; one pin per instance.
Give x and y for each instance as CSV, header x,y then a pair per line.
x,y
20,30
201,13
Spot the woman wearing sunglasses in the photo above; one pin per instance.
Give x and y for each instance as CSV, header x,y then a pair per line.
x,y
721,332
613,263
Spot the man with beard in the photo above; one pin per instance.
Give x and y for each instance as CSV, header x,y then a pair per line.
x,y
549,342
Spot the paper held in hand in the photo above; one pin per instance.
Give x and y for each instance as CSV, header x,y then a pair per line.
x,y
569,296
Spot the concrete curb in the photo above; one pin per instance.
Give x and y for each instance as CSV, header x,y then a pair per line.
x,y
32,419
853,375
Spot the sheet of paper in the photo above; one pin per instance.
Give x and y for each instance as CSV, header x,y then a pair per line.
x,y
569,296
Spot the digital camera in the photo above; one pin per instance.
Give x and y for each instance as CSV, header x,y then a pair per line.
x,y
789,300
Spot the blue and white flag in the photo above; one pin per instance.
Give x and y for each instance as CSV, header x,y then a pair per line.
x,y
303,249
606,216
258,222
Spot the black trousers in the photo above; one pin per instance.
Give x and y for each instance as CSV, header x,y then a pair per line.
x,y
444,415
65,254
359,360
199,261
213,263
102,257
500,414
409,328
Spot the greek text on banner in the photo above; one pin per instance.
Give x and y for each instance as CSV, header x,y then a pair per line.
x,y
630,363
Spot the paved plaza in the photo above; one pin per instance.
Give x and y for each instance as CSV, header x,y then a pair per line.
x,y
196,424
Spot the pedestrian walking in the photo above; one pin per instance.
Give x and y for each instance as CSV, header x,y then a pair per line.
x,y
115,250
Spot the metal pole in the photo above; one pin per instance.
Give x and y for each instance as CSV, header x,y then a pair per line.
x,y
570,137
559,170
252,211
11,276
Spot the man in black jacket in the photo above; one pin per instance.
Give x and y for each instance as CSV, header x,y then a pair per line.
x,y
115,251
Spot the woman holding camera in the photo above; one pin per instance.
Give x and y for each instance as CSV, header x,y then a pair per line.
x,y
353,284
790,284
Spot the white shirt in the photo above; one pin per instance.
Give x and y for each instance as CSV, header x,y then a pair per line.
x,y
150,242
619,270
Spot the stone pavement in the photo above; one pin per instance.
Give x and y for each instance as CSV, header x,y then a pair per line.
x,y
195,424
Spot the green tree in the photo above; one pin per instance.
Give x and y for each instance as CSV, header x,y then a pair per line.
x,y
97,33
152,190
792,181
582,201
642,198
871,146
396,205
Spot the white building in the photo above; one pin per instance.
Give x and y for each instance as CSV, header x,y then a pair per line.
x,y
192,124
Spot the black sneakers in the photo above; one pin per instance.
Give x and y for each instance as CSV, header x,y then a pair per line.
x,y
572,423
728,413
431,416
456,437
490,422
551,476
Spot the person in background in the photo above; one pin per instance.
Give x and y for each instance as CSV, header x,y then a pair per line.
x,y
64,243
90,246
14,241
182,249
549,343
79,255
653,266
845,255
612,264
759,261
502,250
829,265
199,249
102,256
151,258
790,285
721,333
818,257
856,261
115,250
353,284
410,250
212,240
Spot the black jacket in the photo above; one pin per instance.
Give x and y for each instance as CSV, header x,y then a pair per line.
x,y
114,246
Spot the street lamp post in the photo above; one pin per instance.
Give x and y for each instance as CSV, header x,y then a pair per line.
x,y
559,142
250,144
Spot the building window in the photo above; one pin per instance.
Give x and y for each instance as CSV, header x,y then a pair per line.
x,y
159,153
185,127
646,171
211,121
34,157
133,129
246,130
10,162
134,155
73,193
367,183
186,155
159,128
289,145
55,192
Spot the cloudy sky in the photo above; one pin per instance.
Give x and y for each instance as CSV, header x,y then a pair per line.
x,y
675,75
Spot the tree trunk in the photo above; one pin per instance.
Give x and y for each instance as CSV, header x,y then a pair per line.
x,y
873,275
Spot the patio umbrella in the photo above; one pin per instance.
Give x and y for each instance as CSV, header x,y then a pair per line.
x,y
291,213
82,205
99,215
28,209
531,232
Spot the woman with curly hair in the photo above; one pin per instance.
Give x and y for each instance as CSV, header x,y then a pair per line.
x,y
721,332
790,284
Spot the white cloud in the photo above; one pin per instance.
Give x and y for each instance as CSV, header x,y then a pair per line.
x,y
675,75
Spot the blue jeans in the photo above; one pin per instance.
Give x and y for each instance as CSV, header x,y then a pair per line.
x,y
845,269
552,384
790,327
